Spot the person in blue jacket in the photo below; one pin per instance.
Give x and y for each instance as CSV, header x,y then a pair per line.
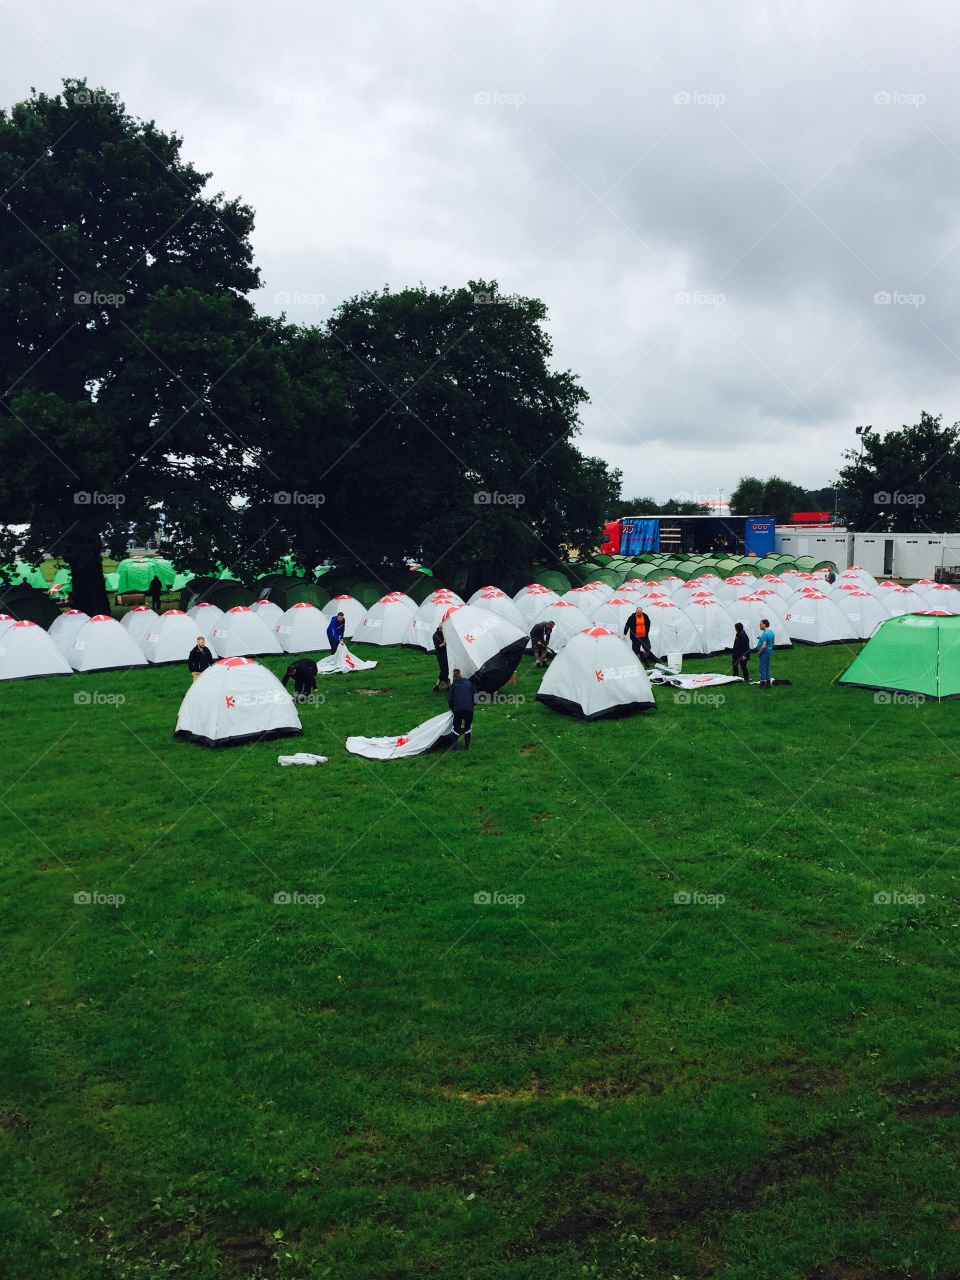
x,y
741,652
335,629
460,700
764,650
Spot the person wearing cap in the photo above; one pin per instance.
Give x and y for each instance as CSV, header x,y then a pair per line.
x,y
637,630
199,658
440,649
540,639
764,651
335,629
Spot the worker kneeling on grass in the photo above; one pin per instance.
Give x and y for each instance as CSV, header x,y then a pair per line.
x,y
460,700
303,673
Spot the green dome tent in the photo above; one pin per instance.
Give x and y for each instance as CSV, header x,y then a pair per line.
x,y
415,585
555,580
297,592
225,593
913,653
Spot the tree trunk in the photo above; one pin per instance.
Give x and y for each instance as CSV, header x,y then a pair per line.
x,y
89,591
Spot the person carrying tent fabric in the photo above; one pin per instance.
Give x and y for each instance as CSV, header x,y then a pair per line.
x,y
440,649
741,652
335,629
460,700
155,588
637,630
199,658
764,650
540,639
303,673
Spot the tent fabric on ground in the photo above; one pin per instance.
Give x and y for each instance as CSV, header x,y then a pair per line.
x,y
342,663
269,613
568,621
27,651
139,622
486,648
240,633
496,601
353,613
911,653
386,621
173,636
862,610
63,630
102,644
689,680
437,731
813,618
596,676
236,700
302,629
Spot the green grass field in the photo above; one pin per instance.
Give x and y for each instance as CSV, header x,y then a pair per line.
x,y
602,1081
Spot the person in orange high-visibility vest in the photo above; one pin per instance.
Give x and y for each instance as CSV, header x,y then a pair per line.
x,y
637,629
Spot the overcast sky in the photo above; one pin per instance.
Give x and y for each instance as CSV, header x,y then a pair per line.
x,y
712,199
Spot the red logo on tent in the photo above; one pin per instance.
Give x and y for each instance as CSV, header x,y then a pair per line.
x,y
468,638
230,701
599,675
348,661
402,740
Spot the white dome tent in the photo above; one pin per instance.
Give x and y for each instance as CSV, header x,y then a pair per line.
x,y
387,620
241,633
567,619
862,610
813,618
532,599
171,639
27,652
269,613
671,631
102,644
420,629
207,617
942,596
496,601
7,620
139,622
712,623
901,600
485,647
614,613
596,676
63,629
236,700
303,629
751,610
352,610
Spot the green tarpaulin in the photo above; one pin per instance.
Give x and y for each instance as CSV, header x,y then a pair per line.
x,y
136,573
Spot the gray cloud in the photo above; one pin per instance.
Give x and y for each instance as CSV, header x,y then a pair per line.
x,y
709,198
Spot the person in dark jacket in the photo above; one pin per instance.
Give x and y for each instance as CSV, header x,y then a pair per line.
x,y
460,700
303,673
440,649
155,588
540,639
637,630
199,658
741,652
335,629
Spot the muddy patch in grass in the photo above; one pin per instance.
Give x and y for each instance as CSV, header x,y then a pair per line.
x,y
374,693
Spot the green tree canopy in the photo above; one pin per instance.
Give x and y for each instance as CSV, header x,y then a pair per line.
x,y
774,496
133,372
456,443
651,507
907,479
